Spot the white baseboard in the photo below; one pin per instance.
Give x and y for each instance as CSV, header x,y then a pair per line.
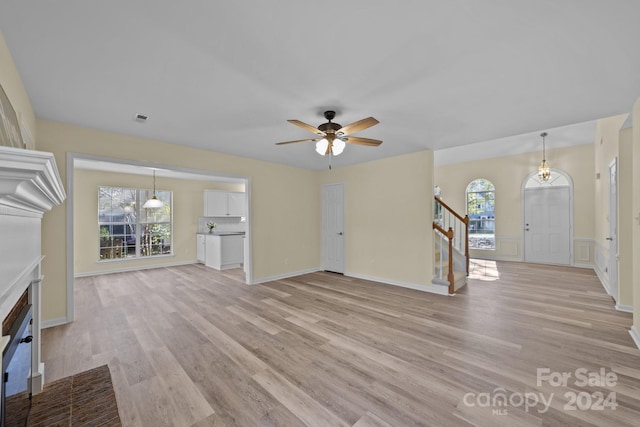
x,y
434,289
625,308
37,380
137,268
589,266
603,282
284,276
54,322
635,335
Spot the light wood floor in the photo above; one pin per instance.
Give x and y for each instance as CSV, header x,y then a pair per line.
x,y
192,346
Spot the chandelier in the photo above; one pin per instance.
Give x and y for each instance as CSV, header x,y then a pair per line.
x,y
544,172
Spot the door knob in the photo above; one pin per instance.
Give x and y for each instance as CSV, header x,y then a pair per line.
x,y
609,238
340,233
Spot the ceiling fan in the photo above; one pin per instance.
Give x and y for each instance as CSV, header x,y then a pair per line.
x,y
332,137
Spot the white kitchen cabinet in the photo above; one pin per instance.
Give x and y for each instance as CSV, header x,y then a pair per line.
x,y
223,252
237,204
200,248
232,251
224,203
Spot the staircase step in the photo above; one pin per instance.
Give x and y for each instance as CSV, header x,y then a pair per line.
x,y
459,280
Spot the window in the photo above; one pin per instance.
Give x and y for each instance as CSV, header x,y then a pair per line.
x,y
481,205
129,231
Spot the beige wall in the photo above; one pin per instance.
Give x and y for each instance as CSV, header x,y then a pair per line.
x,y
285,207
507,175
12,84
187,207
388,217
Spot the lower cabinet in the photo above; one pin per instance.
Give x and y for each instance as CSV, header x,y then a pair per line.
x,y
200,248
223,252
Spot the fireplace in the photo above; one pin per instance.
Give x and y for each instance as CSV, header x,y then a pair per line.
x,y
29,186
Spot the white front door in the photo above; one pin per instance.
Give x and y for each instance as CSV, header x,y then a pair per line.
x,y
333,227
613,230
547,235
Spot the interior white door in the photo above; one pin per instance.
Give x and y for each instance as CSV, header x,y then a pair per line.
x,y
547,235
613,230
333,227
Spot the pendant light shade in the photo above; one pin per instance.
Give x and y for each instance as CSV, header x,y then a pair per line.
x,y
153,202
544,172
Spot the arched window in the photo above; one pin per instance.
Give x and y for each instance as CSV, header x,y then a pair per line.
x,y
481,204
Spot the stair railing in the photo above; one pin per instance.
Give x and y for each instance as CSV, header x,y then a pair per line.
x,y
446,219
449,236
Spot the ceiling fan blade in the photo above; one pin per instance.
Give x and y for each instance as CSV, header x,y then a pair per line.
x,y
305,126
358,126
363,141
297,140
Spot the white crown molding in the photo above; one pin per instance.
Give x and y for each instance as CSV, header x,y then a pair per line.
x,y
29,182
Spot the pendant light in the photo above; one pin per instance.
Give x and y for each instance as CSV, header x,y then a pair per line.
x,y
153,202
544,172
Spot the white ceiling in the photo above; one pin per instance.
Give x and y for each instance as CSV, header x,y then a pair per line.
x,y
225,76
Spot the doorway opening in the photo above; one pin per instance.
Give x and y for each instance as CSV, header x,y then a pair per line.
x,y
122,166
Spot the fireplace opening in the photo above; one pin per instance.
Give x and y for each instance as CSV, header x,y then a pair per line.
x,y
16,372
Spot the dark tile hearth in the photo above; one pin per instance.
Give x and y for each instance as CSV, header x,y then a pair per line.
x,y
84,399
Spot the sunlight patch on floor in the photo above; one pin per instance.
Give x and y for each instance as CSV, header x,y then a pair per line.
x,y
482,269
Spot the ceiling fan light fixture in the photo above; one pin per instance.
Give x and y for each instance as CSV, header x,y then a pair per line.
x,y
331,138
338,146
321,146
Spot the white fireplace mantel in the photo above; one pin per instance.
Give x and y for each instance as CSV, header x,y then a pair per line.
x,y
29,182
30,185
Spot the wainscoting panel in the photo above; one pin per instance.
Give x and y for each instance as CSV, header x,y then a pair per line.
x,y
601,261
508,248
583,252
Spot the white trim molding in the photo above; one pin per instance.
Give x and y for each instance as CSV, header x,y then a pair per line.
x,y
433,288
29,184
625,308
54,322
635,335
284,276
583,249
136,268
601,264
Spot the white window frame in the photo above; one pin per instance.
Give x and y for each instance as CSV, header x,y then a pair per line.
x,y
111,253
474,221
